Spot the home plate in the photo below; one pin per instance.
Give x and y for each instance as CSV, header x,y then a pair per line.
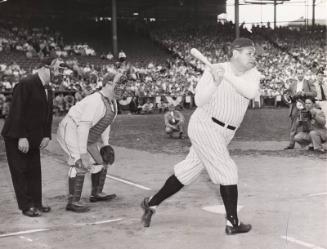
x,y
218,209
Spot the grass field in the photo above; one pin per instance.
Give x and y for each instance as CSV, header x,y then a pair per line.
x,y
146,132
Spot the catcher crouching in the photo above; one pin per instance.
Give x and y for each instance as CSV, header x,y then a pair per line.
x,y
84,136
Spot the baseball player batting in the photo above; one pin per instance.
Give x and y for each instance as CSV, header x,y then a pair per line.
x,y
222,97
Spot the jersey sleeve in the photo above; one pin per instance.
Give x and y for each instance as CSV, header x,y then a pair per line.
x,y
247,85
204,89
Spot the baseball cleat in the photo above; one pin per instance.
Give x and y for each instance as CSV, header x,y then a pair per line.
x,y
148,212
77,207
241,228
102,197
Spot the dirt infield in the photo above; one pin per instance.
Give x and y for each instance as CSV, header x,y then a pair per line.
x,y
282,194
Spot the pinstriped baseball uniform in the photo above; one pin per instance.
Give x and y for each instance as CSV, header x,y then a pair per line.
x,y
226,104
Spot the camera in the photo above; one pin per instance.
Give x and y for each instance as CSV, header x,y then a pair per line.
x,y
305,120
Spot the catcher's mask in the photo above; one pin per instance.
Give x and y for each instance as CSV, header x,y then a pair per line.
x,y
120,86
56,67
108,154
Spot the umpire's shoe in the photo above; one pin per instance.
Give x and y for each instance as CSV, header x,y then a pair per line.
x,y
240,228
148,212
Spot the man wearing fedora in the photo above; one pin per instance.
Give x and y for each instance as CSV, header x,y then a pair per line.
x,y
298,90
26,131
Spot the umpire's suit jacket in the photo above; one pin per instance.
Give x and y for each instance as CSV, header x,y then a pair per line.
x,y
308,88
30,114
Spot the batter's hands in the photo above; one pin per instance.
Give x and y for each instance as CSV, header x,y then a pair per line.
x,y
44,143
217,72
23,145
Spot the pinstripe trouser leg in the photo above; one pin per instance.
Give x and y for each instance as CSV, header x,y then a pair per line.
x,y
209,151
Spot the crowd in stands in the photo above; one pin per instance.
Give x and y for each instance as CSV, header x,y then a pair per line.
x,y
38,42
281,52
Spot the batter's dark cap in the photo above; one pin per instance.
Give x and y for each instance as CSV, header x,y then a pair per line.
x,y
242,43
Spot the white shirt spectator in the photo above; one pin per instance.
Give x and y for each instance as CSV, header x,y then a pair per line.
x,y
122,55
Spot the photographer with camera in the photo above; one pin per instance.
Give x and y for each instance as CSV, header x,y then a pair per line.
x,y
311,121
321,86
297,91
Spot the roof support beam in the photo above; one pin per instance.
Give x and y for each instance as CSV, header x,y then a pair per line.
x,y
237,19
275,13
114,28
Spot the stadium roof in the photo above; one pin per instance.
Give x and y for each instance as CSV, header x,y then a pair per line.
x,y
125,8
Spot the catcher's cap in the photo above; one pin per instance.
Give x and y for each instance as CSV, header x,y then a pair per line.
x,y
242,43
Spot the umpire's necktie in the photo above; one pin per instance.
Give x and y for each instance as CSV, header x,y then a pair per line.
x,y
323,96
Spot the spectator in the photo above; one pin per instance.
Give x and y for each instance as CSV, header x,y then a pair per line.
x,y
122,56
147,108
299,90
110,56
174,121
322,93
312,120
162,106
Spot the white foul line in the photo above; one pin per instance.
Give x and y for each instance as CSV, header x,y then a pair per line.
x,y
24,232
56,227
98,222
302,243
127,182
318,194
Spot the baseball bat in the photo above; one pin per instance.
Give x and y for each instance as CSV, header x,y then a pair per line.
x,y
198,55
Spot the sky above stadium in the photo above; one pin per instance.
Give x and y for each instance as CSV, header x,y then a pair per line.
x,y
289,11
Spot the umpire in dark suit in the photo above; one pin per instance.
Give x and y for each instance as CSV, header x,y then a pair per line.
x,y
27,129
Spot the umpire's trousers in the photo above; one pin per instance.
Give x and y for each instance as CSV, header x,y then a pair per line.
x,y
25,172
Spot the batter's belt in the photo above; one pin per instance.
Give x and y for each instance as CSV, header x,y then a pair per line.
x,y
223,124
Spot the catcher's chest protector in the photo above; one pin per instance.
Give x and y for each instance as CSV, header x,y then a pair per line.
x,y
96,131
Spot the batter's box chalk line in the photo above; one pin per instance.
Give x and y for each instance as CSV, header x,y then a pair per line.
x,y
303,244
218,209
59,227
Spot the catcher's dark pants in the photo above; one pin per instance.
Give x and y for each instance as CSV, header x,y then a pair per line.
x,y
25,172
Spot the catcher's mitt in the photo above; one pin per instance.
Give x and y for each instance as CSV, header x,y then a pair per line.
x,y
108,154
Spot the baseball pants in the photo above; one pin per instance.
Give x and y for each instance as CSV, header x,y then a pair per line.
x,y
68,139
208,151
